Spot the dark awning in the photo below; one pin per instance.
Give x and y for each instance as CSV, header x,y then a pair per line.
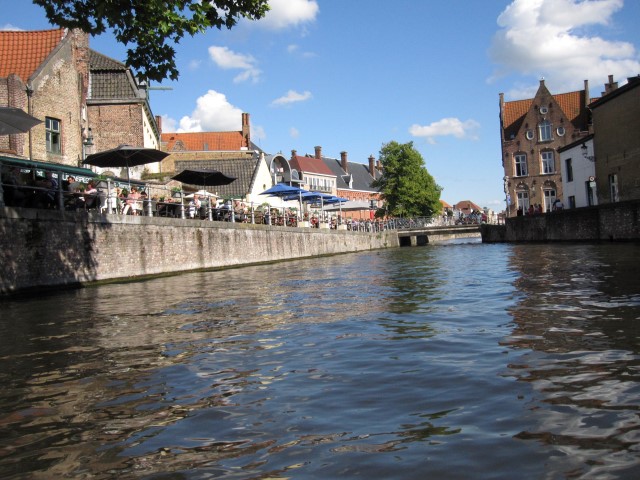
x,y
55,167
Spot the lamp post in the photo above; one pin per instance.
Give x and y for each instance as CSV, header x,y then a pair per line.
x,y
585,151
87,142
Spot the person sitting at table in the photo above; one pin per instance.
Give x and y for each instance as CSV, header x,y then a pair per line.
x,y
194,206
13,195
90,195
46,195
238,211
131,203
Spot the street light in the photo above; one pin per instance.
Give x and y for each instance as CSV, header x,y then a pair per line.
x,y
585,150
87,141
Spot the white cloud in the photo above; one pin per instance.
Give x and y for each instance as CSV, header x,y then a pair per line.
x,y
293,132
194,64
291,97
257,132
287,13
168,123
230,60
9,27
445,128
550,38
213,113
295,49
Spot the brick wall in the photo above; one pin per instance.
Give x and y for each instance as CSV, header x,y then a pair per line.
x,y
611,222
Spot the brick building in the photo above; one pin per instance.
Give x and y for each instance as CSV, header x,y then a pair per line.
x,y
531,132
78,94
616,124
207,146
118,109
46,73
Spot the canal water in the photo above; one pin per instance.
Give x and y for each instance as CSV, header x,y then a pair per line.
x,y
453,361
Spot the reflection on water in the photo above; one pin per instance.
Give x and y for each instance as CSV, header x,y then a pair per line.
x,y
577,320
446,361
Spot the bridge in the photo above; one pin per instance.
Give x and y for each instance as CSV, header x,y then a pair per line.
x,y
416,232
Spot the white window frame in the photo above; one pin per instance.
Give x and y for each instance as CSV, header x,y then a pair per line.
x,y
53,136
520,165
544,131
549,199
523,200
547,162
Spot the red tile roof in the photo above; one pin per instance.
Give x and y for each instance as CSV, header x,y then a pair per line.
x,y
467,206
445,204
311,165
23,52
572,104
203,141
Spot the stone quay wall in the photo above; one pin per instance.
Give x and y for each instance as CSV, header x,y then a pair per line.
x,y
44,249
610,222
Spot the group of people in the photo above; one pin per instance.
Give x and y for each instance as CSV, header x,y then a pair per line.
x,y
29,192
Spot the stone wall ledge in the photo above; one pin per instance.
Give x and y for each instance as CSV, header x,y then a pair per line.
x,y
51,249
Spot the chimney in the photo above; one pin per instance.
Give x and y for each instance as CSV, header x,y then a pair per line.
x,y
378,165
610,87
294,154
159,123
587,97
246,131
343,162
318,153
372,166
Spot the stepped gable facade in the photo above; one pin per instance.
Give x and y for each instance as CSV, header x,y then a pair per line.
x,y
531,131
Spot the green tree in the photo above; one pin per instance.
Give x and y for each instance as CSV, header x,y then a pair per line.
x,y
406,186
151,27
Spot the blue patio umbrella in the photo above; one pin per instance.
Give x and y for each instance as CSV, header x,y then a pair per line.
x,y
283,190
286,192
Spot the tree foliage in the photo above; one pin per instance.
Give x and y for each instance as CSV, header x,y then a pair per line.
x,y
151,27
406,186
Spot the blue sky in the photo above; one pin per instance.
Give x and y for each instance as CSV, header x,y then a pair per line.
x,y
353,75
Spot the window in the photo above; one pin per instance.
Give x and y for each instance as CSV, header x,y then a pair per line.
x,y
572,201
544,110
560,131
549,198
52,127
569,169
523,201
547,162
529,134
589,189
521,165
613,187
544,131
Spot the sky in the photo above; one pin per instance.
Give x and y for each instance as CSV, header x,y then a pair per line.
x,y
353,75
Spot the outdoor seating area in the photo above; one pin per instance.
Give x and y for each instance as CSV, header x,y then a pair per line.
x,y
75,189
